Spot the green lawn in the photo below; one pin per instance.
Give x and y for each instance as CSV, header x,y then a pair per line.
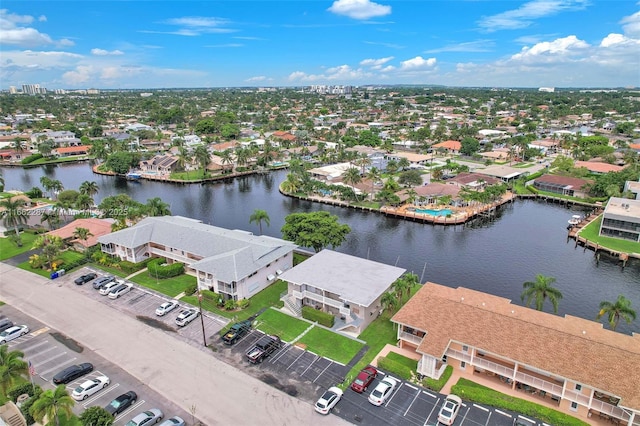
x,y
8,249
268,297
283,325
401,359
67,256
110,270
590,232
169,286
331,345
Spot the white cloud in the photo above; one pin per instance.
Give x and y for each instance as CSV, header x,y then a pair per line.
x,y
341,73
198,21
618,39
258,78
524,16
195,26
417,63
102,52
559,50
40,59
359,9
631,24
42,18
469,46
9,20
389,45
79,75
12,31
375,64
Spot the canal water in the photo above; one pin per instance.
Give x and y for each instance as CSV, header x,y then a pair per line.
x,y
526,238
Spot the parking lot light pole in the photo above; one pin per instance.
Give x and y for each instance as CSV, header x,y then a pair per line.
x,y
204,336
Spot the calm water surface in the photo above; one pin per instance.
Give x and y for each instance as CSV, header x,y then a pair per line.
x,y
527,238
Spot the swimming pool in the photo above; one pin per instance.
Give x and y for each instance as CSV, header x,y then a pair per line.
x,y
431,212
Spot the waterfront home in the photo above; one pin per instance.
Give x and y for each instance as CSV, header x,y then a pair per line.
x,y
13,156
59,138
159,164
571,362
431,193
474,181
233,263
97,228
598,167
632,187
504,173
564,185
452,147
348,287
68,151
621,219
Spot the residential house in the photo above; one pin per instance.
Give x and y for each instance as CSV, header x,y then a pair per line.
x,y
564,185
59,138
68,151
416,160
571,361
159,164
452,147
430,193
330,172
233,263
621,219
348,287
474,181
504,173
633,187
598,167
97,228
13,156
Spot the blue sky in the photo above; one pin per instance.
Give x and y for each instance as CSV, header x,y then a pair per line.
x,y
154,44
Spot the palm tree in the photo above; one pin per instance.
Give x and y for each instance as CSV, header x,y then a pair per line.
x,y
614,311
184,158
1,182
82,234
12,367
258,217
56,186
12,214
400,286
202,156
50,403
157,207
540,290
291,185
84,202
89,188
226,157
389,301
51,217
352,177
374,175
46,183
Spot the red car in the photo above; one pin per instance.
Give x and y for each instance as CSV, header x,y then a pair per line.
x,y
364,379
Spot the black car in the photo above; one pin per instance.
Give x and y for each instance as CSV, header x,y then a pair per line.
x,y
71,373
102,281
121,403
5,323
85,278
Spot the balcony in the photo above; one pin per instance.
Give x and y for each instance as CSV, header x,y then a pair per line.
x,y
541,384
322,299
611,410
171,255
411,338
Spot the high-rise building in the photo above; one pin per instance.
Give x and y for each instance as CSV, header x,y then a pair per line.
x,y
13,90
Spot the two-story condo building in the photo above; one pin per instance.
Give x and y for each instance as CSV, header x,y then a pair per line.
x,y
621,219
575,363
236,264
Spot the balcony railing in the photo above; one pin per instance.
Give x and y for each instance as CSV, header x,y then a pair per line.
x,y
459,355
609,409
416,340
539,383
172,255
319,298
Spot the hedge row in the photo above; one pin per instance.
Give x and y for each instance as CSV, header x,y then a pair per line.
x,y
130,267
395,367
30,159
320,317
158,268
437,385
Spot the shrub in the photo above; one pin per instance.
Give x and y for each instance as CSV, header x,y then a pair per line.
x,y
320,317
437,385
158,269
243,303
17,390
191,289
230,305
30,159
395,367
25,408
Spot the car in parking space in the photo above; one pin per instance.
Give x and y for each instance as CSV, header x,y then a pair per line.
x,y
186,316
523,421
120,290
83,279
69,374
88,388
383,391
364,379
5,323
328,400
166,307
106,289
173,421
449,410
13,333
146,418
236,331
102,281
121,403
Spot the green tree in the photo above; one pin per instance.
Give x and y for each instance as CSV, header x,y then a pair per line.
x,y
352,177
469,146
89,188
404,163
389,300
1,182
12,213
50,403
374,176
621,308
52,218
156,207
258,216
202,156
82,234
121,162
292,184
410,178
317,230
51,245
540,290
96,416
12,368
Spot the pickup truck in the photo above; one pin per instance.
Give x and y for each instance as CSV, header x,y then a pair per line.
x,y
236,331
263,348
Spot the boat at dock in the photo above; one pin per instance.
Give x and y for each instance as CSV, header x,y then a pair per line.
x,y
133,176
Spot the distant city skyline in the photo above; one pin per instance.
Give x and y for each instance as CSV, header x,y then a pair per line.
x,y
170,44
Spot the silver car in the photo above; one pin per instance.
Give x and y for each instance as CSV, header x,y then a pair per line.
x,y
166,307
186,316
173,421
146,418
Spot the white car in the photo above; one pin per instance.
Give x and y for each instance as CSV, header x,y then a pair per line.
x,y
88,388
186,316
106,289
13,333
383,391
449,410
146,418
328,400
166,307
120,290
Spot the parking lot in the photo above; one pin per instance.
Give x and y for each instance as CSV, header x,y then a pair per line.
x,y
50,352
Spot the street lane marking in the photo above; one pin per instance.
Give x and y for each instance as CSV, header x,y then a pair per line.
x,y
325,369
99,394
414,400
481,407
39,331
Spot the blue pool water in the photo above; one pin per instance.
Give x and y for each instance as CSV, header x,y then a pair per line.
x,y
443,212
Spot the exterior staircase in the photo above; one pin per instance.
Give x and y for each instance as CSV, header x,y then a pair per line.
x,y
292,306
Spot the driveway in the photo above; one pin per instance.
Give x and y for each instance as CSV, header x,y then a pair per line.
x,y
183,373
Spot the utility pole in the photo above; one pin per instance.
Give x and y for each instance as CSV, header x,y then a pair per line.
x,y
204,336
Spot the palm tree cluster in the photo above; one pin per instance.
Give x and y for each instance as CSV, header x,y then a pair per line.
x,y
400,291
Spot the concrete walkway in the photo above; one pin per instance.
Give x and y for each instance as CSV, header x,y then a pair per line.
x,y
183,372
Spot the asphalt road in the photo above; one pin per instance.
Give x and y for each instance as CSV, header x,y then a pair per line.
x,y
183,373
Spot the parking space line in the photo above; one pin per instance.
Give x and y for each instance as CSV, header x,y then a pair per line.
x,y
128,410
44,373
503,413
427,393
411,386
51,359
322,372
99,394
41,353
278,356
312,362
481,407
431,412
30,348
414,400
488,418
465,415
296,360
394,393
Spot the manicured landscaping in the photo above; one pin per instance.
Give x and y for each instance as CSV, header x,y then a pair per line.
x,y
268,297
591,231
68,257
282,325
170,286
331,345
110,270
437,385
9,249
401,359
471,391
